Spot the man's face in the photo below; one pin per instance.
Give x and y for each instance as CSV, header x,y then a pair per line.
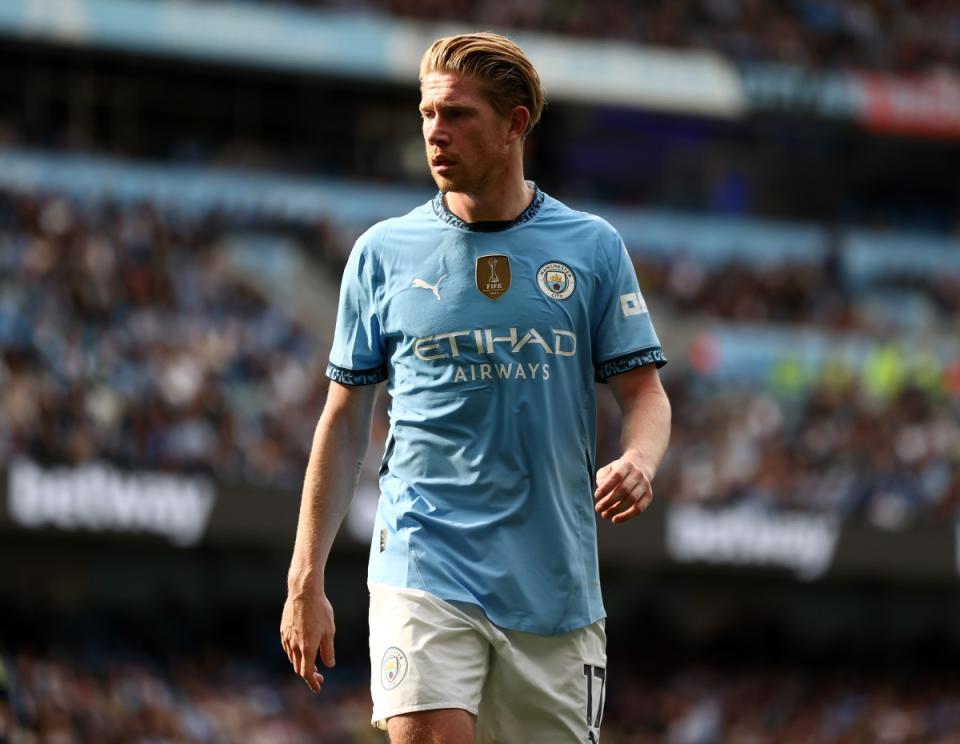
x,y
466,139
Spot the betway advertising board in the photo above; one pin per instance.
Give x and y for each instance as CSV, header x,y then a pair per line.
x,y
184,511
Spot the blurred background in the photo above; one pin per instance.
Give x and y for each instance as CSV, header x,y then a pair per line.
x,y
180,184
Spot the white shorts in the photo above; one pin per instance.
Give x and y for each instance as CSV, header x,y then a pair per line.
x,y
426,654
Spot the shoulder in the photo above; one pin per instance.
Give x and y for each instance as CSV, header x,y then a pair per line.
x,y
384,235
559,214
588,231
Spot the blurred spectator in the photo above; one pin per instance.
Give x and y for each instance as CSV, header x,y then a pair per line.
x,y
836,449
222,700
792,293
124,336
216,700
872,34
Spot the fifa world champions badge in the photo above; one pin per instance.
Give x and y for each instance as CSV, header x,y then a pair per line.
x,y
493,275
393,668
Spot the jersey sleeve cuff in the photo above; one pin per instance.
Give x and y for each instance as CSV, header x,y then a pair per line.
x,y
618,365
354,377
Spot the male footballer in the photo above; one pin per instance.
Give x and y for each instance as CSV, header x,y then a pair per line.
x,y
490,312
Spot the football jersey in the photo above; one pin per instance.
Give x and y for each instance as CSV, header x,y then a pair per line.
x,y
490,337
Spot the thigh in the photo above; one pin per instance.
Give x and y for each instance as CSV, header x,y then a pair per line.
x,y
545,689
425,655
445,726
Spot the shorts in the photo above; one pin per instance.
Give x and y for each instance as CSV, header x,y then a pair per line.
x,y
426,653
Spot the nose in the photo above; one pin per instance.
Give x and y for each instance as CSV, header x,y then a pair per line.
x,y
434,132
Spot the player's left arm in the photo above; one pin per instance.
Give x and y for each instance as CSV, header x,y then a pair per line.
x,y
624,486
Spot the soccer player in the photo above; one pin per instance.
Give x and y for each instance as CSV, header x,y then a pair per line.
x,y
490,312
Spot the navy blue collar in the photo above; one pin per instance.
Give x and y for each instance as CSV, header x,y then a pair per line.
x,y
440,209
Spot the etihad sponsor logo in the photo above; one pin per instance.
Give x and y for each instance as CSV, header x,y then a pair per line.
x,y
501,371
484,341
493,275
556,280
100,498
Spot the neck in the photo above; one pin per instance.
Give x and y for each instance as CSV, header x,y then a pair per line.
x,y
503,203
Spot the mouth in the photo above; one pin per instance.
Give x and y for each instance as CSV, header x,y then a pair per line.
x,y
441,164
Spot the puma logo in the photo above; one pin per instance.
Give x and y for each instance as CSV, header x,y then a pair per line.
x,y
435,288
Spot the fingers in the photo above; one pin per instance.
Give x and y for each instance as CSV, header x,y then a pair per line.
x,y
623,487
307,669
306,629
632,511
326,651
628,510
623,491
302,658
608,478
304,666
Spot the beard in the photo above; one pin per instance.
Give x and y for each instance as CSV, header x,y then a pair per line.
x,y
466,178
456,182
444,184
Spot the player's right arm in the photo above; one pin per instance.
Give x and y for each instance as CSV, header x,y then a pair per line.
x,y
339,445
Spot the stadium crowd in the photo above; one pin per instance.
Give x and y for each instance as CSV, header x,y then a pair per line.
x,y
889,35
125,337
51,699
815,293
852,446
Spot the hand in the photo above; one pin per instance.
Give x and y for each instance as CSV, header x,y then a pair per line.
x,y
623,489
306,628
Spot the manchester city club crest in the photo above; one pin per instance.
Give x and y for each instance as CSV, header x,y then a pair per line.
x,y
493,275
557,280
393,668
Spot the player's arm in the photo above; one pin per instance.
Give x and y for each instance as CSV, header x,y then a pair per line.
x,y
624,486
339,445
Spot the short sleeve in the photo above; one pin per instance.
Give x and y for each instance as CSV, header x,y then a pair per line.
x,y
357,356
624,337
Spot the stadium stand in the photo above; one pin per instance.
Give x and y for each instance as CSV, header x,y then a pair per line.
x,y
52,698
872,34
127,338
797,244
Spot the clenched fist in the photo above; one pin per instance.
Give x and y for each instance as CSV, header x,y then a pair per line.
x,y
623,489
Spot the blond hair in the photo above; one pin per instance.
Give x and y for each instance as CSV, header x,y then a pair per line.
x,y
505,75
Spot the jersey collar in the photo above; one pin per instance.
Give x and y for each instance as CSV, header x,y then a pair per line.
x,y
440,209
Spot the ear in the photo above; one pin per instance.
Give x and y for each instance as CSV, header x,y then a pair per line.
x,y
519,119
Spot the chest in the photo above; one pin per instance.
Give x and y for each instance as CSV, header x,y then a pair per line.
x,y
475,283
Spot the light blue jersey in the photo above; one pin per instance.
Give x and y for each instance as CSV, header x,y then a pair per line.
x,y
491,336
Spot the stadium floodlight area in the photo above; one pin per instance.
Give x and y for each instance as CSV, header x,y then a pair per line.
x,y
378,48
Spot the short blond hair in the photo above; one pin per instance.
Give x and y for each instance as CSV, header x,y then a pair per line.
x,y
504,73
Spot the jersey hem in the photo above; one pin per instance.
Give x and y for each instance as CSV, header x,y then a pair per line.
x,y
356,377
624,363
503,621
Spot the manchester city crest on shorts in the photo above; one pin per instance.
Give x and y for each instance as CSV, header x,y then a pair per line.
x,y
557,280
493,275
393,668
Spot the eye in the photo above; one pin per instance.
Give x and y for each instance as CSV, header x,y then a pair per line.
x,y
426,114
